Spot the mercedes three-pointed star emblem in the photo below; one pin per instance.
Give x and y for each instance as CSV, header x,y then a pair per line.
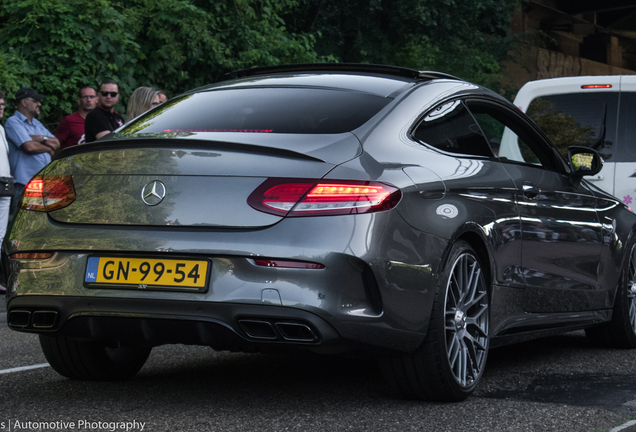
x,y
153,193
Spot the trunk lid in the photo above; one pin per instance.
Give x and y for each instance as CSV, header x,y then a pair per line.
x,y
200,183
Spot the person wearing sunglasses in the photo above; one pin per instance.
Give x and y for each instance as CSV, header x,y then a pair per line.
x,y
70,132
103,119
31,145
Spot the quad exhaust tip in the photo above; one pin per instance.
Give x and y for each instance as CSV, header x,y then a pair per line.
x,y
278,330
44,319
19,318
39,319
296,332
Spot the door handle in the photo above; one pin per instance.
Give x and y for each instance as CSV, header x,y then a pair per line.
x,y
529,190
595,178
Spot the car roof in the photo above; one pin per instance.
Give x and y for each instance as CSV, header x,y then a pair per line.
x,y
379,80
345,67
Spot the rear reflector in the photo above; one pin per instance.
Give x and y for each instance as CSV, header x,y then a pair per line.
x,y
596,86
302,197
32,255
48,193
288,264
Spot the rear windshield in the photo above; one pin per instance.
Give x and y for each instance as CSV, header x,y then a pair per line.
x,y
262,110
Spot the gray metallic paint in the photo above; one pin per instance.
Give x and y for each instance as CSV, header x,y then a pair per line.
x,y
404,249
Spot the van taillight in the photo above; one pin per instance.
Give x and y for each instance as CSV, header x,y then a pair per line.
x,y
48,193
596,86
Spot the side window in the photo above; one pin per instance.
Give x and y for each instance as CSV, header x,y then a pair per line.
x,y
501,123
582,119
495,130
452,129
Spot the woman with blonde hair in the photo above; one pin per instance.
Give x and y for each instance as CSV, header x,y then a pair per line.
x,y
142,99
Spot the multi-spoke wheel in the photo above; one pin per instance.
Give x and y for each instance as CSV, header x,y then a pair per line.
x,y
451,361
466,310
631,292
620,332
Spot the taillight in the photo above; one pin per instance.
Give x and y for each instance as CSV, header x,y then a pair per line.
x,y
596,86
48,193
301,197
32,255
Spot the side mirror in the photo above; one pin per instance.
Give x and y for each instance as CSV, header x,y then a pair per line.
x,y
584,161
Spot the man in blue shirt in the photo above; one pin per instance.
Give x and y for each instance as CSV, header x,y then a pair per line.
x,y
31,145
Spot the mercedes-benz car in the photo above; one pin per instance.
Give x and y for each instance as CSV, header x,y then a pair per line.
x,y
332,208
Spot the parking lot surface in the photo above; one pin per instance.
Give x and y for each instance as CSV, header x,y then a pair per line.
x,y
555,384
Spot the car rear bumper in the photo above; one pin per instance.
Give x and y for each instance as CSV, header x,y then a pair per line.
x,y
223,326
374,289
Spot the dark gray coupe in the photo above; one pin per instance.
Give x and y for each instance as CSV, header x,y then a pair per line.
x,y
330,208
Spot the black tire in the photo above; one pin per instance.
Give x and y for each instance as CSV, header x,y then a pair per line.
x,y
92,361
620,332
450,363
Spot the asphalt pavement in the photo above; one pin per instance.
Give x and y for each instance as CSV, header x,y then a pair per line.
x,y
555,384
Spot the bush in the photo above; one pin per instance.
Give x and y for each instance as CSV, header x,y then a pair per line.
x,y
57,46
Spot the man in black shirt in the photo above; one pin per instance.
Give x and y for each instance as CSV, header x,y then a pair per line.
x,y
103,119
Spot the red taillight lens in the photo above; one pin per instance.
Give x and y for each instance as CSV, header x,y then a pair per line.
x,y
294,197
48,193
282,197
32,255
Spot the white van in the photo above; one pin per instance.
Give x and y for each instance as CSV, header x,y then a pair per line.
x,y
591,111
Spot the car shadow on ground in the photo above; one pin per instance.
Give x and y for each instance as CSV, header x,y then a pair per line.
x,y
563,369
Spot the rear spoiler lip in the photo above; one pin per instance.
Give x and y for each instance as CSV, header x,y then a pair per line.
x,y
344,67
180,144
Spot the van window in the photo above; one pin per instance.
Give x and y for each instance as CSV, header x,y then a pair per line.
x,y
627,133
582,119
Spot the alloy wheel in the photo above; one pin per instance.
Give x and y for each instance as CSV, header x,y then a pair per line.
x,y
631,289
467,319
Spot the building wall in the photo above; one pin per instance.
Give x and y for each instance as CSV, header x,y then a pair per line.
x,y
559,44
538,63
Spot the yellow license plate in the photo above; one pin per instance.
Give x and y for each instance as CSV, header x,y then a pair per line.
x,y
147,273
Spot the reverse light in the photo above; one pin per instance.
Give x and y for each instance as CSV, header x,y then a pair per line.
x,y
596,86
301,197
48,193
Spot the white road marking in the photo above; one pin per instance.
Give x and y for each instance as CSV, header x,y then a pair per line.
x,y
624,426
24,368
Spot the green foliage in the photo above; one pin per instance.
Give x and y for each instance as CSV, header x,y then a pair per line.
x,y
56,46
64,44
467,38
188,44
12,69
